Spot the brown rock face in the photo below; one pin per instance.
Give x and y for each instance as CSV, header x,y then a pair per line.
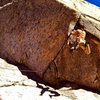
x,y
32,32
35,32
77,66
3,2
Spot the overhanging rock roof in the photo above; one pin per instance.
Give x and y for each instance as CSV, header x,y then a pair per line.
x,y
90,15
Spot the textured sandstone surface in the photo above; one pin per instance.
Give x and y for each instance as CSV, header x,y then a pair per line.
x,y
15,86
3,2
77,66
34,33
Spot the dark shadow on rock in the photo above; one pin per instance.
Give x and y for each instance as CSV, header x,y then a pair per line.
x,y
46,89
27,72
74,86
32,75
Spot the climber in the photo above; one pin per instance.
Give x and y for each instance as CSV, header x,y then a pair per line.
x,y
77,40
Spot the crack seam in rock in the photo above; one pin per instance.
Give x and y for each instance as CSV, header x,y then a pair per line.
x,y
16,83
90,17
8,4
65,41
56,70
54,57
60,48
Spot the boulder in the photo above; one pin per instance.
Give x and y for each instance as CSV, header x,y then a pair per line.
x,y
34,33
76,66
